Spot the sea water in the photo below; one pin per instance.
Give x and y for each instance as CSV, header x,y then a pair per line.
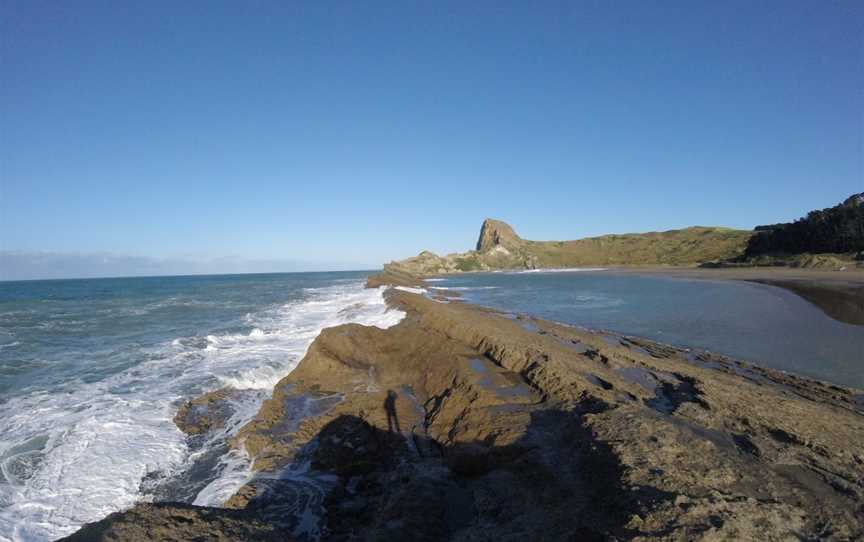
x,y
92,373
761,324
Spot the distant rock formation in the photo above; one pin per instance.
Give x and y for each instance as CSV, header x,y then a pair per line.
x,y
500,247
495,233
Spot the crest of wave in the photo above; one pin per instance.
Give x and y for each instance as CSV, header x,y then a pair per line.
x,y
75,456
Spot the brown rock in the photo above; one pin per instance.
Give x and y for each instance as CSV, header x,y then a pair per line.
x,y
178,522
206,412
494,233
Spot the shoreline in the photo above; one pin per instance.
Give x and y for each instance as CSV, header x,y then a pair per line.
x,y
838,294
677,441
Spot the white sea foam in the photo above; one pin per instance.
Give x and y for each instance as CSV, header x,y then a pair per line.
x,y
412,290
235,472
464,288
558,270
72,457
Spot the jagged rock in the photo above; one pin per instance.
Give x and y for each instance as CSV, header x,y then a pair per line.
x,y
496,234
393,276
206,412
179,522
855,200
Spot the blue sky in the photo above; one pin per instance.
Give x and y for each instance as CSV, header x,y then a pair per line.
x,y
345,134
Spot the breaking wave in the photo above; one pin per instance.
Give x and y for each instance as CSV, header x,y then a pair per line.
x,y
74,454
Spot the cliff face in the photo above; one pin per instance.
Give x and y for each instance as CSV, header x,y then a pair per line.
x,y
494,233
462,423
499,247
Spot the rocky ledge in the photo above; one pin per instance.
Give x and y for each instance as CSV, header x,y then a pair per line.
x,y
463,423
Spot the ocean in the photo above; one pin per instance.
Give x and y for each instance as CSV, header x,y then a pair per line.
x,y
92,371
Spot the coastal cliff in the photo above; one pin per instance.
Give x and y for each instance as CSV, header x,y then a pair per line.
x,y
464,423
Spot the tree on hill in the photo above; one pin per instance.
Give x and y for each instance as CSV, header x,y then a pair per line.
x,y
836,229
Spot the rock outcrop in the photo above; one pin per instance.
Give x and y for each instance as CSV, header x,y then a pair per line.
x,y
394,276
494,233
854,201
462,423
180,522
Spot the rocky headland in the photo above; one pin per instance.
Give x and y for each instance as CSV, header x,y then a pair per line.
x,y
464,423
499,247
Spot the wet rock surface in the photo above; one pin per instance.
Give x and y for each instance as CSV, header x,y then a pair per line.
x,y
148,522
463,423
207,412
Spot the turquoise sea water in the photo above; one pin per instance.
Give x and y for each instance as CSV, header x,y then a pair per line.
x,y
761,324
92,372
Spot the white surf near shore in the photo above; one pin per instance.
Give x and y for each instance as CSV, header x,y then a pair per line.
x,y
559,270
74,456
463,288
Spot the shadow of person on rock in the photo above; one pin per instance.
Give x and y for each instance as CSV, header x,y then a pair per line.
x,y
390,407
556,482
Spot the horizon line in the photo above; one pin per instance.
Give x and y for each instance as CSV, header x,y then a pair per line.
x,y
185,275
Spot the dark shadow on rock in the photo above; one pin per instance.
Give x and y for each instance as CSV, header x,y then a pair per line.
x,y
392,415
556,482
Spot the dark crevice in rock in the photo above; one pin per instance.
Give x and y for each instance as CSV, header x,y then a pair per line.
x,y
746,445
669,397
784,437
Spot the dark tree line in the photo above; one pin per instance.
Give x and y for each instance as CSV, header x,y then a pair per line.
x,y
837,229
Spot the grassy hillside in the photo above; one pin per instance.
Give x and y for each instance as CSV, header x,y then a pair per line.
x,y
675,247
499,247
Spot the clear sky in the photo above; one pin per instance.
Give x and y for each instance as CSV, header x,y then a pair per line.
x,y
345,134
